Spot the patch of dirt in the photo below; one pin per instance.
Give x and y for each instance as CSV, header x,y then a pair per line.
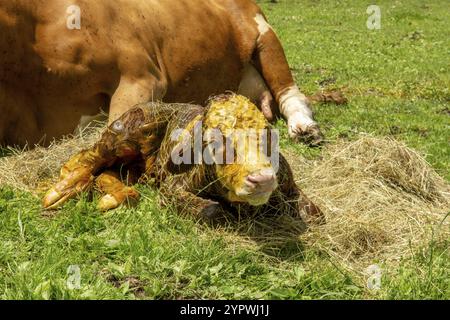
x,y
134,283
445,111
330,96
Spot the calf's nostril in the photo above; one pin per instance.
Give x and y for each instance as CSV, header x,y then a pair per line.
x,y
258,184
263,177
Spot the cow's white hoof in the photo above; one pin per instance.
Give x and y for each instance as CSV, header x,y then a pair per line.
x,y
310,135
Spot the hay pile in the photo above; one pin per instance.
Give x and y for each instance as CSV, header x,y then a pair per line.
x,y
380,197
34,171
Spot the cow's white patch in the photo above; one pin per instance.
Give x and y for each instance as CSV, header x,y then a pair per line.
x,y
263,25
294,106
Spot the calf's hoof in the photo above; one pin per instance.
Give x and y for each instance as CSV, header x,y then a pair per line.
x,y
127,195
211,211
311,214
108,202
215,214
63,191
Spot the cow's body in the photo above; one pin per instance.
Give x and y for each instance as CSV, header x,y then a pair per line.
x,y
129,52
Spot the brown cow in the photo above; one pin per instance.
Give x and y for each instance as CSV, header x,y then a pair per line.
x,y
64,61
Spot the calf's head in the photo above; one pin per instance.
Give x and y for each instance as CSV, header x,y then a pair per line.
x,y
238,149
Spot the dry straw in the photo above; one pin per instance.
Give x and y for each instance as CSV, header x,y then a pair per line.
x,y
35,170
380,197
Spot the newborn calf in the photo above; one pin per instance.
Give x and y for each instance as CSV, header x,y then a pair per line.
x,y
207,162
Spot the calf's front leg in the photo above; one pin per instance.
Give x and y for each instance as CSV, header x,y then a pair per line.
x,y
115,191
77,176
135,135
189,204
298,205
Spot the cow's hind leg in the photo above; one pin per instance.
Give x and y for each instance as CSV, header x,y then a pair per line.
x,y
271,62
254,87
132,91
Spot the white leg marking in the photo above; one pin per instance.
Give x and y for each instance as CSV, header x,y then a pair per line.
x,y
294,106
263,25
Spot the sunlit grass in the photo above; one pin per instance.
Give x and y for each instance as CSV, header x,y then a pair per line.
x,y
397,82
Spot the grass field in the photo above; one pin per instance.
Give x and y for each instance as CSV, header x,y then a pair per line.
x,y
397,80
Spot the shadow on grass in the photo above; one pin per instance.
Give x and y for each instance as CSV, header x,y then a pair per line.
x,y
275,235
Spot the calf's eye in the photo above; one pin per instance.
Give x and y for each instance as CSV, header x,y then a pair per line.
x,y
118,126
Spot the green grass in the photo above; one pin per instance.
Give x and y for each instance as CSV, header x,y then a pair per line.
x,y
397,81
149,253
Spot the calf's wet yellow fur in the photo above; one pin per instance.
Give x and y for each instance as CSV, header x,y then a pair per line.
x,y
142,140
